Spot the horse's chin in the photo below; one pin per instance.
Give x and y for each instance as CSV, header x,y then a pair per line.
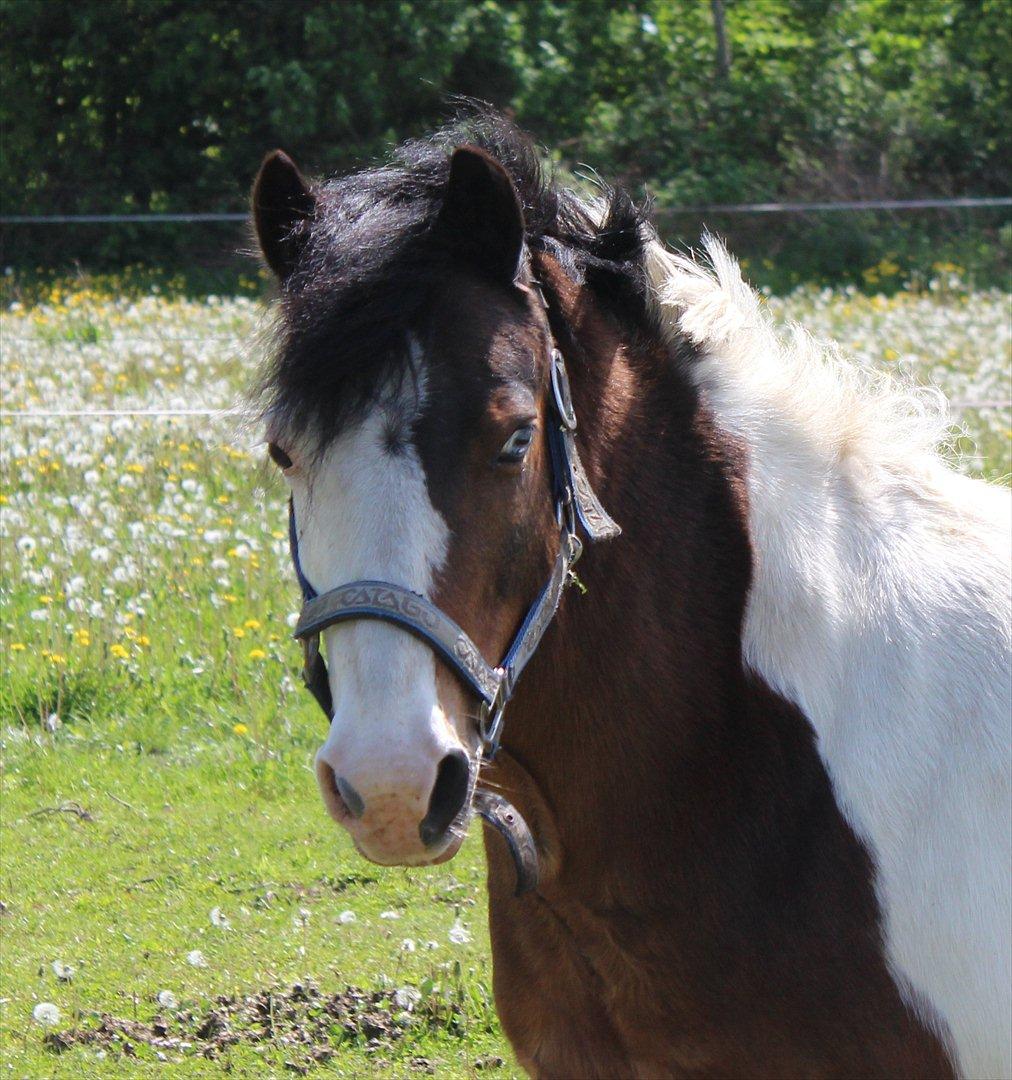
x,y
420,858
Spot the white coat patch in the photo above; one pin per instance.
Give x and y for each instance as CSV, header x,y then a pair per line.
x,y
880,606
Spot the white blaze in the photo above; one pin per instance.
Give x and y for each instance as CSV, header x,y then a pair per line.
x,y
364,513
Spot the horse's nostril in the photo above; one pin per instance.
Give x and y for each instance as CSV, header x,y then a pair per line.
x,y
352,799
448,795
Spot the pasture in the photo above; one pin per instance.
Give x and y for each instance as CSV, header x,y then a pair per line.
x,y
170,883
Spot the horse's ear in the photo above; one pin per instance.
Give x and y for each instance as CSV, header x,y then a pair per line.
x,y
481,213
282,201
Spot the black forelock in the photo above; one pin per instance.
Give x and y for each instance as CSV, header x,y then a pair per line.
x,y
370,261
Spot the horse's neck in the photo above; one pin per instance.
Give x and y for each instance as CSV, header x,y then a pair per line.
x,y
636,719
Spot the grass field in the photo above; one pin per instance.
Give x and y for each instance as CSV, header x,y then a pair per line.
x,y
170,884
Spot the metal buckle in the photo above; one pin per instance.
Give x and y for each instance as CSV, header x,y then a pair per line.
x,y
490,718
561,392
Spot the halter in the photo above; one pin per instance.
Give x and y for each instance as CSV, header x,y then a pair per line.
x,y
575,503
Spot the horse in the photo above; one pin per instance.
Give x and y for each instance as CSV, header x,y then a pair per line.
x,y
754,780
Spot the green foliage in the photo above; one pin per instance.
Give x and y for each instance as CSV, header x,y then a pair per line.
x,y
151,105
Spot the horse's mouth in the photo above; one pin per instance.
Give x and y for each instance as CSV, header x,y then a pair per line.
x,y
502,816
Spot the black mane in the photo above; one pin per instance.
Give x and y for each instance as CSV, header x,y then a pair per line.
x,y
370,260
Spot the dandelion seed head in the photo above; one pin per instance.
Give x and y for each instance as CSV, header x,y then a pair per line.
x,y
46,1013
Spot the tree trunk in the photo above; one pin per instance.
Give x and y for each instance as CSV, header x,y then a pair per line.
x,y
723,51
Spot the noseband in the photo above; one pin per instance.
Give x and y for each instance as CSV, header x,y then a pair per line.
x,y
575,505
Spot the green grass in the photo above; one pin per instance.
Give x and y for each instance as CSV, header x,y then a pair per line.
x,y
157,747
183,816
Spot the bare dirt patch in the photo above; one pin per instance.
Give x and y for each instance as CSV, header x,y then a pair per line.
x,y
300,1021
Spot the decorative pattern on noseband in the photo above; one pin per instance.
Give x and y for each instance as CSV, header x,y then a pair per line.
x,y
575,503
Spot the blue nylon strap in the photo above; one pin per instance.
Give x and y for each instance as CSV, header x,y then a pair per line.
x,y
308,592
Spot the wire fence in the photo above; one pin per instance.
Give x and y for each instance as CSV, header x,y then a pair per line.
x,y
662,212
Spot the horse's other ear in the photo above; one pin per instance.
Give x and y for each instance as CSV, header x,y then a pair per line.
x,y
481,214
282,201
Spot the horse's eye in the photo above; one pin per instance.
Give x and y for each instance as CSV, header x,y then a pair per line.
x,y
516,446
278,456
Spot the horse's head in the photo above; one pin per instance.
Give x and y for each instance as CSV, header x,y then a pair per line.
x,y
409,404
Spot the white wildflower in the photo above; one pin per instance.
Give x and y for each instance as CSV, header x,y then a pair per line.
x,y
459,934
46,1013
219,919
406,997
64,972
195,958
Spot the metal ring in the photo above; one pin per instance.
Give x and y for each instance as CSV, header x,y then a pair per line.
x,y
561,392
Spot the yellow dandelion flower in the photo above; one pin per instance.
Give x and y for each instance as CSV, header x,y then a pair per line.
x,y
252,624
229,598
18,646
144,641
57,658
240,729
257,654
238,631
118,651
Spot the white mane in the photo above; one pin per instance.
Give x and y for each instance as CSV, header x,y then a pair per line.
x,y
880,606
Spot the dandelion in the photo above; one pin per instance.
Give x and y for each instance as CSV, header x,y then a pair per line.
x,y
406,997
390,914
238,631
18,646
252,624
167,999
257,654
26,545
408,945
38,615
459,934
64,972
195,958
46,1013
347,917
239,729
118,651
219,919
